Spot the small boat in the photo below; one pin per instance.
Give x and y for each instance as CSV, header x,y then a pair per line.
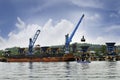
x,y
80,61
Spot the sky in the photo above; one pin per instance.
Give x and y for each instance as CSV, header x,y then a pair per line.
x,y
20,19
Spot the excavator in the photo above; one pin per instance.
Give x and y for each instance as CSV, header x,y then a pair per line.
x,y
69,39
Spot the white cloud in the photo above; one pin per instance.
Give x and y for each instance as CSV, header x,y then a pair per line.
x,y
2,41
100,39
88,3
54,34
112,28
50,35
20,24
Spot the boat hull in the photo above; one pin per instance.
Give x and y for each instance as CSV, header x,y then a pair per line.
x,y
65,58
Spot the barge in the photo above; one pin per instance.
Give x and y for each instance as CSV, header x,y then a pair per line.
x,y
36,58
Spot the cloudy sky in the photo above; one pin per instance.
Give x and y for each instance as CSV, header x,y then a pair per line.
x,y
19,20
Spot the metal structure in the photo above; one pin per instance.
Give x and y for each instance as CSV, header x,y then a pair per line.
x,y
84,48
111,48
69,39
83,39
32,42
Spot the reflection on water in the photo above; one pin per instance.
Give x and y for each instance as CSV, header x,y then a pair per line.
x,y
60,71
112,70
30,65
85,66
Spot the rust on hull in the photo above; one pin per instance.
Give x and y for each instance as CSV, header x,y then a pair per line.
x,y
65,58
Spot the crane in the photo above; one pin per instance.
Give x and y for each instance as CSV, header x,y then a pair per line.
x,y
32,41
69,39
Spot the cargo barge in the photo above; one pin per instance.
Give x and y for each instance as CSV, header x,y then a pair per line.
x,y
36,58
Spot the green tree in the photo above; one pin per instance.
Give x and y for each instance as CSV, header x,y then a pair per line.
x,y
103,49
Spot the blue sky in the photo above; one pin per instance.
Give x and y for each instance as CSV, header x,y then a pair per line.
x,y
100,24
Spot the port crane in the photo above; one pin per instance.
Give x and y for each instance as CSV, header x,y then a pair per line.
x,y
32,42
69,39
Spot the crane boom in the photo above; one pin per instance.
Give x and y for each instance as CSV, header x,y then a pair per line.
x,y
71,36
69,39
32,41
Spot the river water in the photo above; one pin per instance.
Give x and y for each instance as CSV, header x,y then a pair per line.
x,y
96,70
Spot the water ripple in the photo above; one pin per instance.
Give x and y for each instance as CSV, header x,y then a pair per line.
x,y
60,71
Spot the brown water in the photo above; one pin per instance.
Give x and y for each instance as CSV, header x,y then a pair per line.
x,y
60,71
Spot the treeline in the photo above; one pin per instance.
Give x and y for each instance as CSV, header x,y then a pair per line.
x,y
98,49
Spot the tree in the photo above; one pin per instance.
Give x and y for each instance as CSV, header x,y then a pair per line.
x,y
103,49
